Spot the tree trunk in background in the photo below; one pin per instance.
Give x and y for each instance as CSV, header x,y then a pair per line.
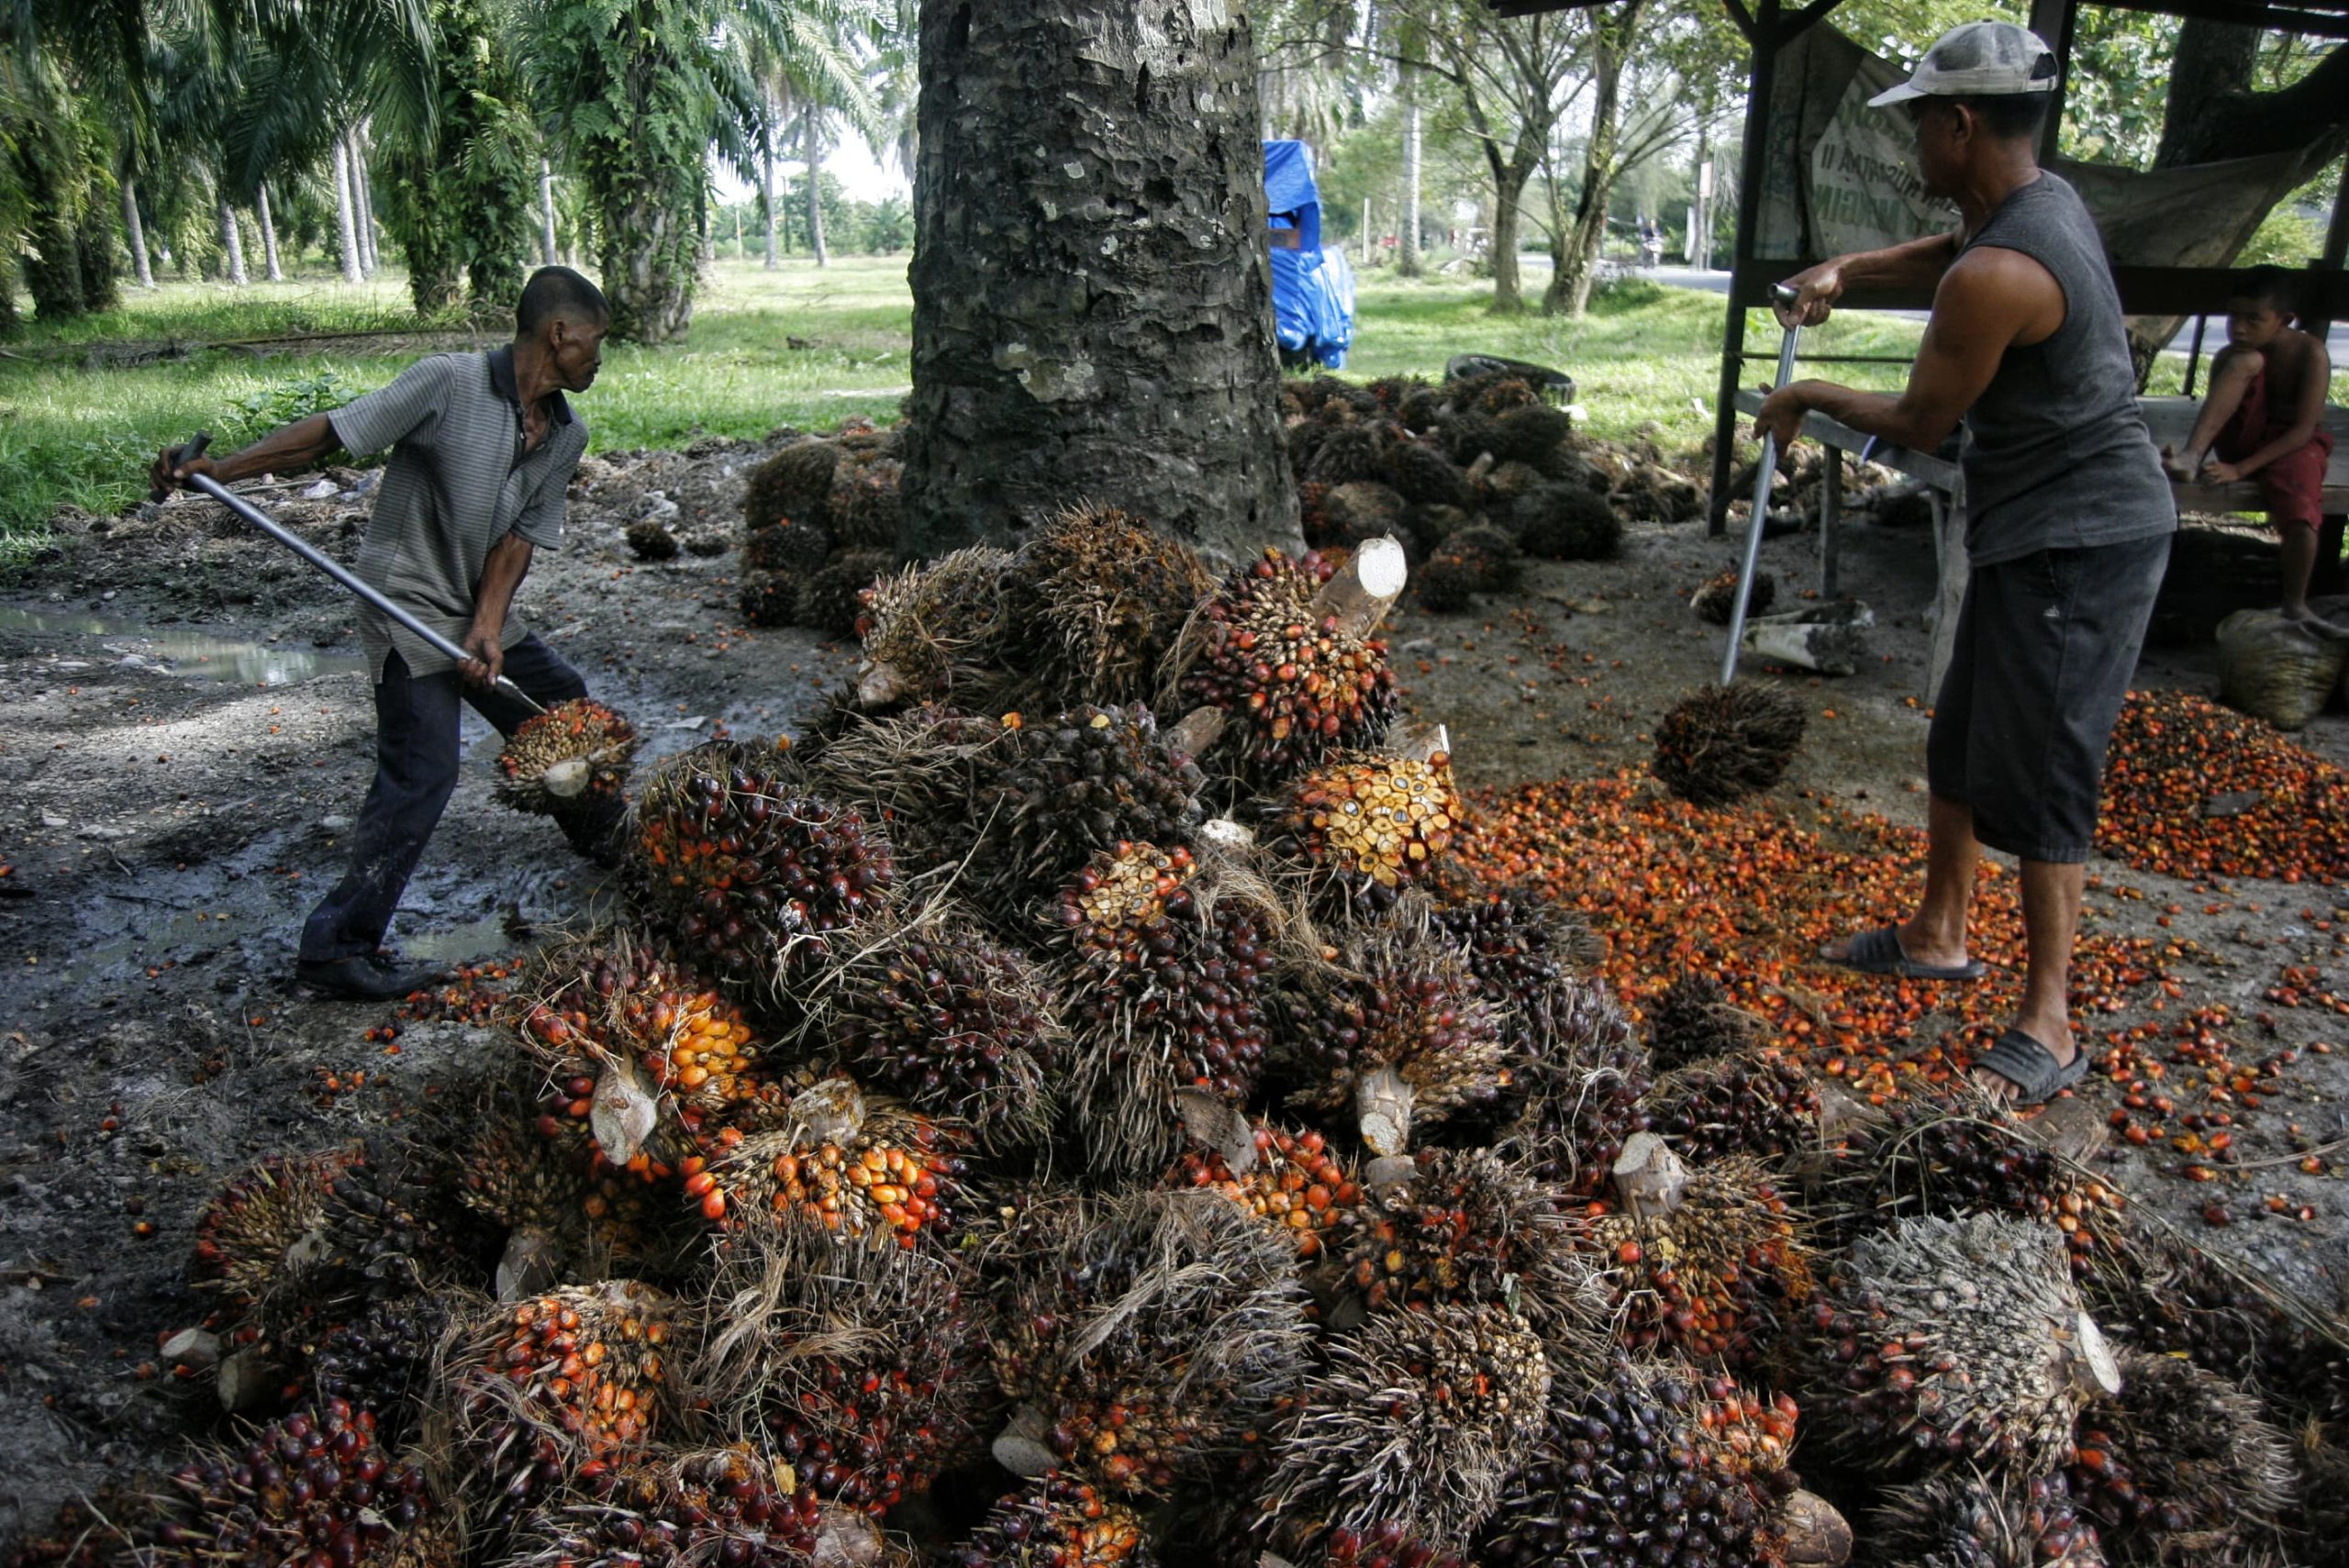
x,y
232,244
345,213
767,172
134,233
815,188
94,243
268,234
1407,249
546,249
1613,28
1510,177
1092,292
362,183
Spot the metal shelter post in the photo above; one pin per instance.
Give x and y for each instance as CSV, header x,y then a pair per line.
x,y
1762,30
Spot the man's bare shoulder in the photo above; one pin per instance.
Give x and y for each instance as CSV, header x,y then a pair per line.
x,y
1990,283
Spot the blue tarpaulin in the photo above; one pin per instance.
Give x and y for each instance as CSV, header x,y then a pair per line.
x,y
1313,289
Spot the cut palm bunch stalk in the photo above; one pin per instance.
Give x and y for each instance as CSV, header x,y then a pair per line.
x,y
312,1486
1418,1420
1287,650
1097,601
747,870
1939,1340
1986,1520
576,754
935,633
731,1507
2181,1465
1363,826
1167,975
1141,1338
1394,1032
1056,1521
1702,1261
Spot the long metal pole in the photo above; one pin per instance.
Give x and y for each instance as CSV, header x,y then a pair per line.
x,y
331,567
1761,500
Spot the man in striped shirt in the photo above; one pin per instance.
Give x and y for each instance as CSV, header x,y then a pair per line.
x,y
482,448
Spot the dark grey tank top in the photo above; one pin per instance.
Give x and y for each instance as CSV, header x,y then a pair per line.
x,y
2056,454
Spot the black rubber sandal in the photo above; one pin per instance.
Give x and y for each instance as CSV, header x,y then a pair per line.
x,y
2032,1068
1879,952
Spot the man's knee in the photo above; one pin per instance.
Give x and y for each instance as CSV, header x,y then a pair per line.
x,y
2237,363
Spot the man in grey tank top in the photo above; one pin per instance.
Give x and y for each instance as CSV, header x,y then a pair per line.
x,y
2068,524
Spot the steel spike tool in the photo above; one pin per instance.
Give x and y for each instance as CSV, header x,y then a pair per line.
x,y
1782,295
328,564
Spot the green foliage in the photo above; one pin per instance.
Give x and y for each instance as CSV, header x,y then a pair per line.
x,y
462,188
254,414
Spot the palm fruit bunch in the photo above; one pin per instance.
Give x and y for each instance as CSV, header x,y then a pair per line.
x,y
1294,681
262,1246
1347,454
1530,431
1468,436
1056,1521
1142,1337
1716,597
1293,1183
1418,1422
1975,1519
1387,1545
2165,1296
1370,825
769,598
383,1357
935,631
793,486
1398,1033
649,538
832,598
574,754
1714,1272
1961,1151
725,1507
1448,581
840,1179
558,1199
951,1022
1719,744
1764,1105
1565,520
1528,952
1098,599
310,1487
1943,1339
2181,1465
393,1222
865,504
791,549
1653,1463
1421,473
1693,1018
1057,794
1465,1229
749,873
574,1375
1364,510
1490,551
1165,990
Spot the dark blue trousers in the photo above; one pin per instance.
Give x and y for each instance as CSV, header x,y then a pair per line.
x,y
416,770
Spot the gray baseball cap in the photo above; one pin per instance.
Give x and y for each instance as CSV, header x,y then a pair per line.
x,y
1978,60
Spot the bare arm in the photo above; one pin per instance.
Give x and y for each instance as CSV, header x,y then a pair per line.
x,y
288,449
502,572
1919,265
2316,380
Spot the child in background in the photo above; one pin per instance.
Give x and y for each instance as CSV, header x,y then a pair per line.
x,y
2263,419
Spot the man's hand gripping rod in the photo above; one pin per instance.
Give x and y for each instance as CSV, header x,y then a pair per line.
x,y
1782,295
328,564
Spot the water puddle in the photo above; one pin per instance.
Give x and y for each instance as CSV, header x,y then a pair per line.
x,y
467,943
194,654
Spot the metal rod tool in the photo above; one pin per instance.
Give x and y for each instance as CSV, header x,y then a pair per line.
x,y
1782,295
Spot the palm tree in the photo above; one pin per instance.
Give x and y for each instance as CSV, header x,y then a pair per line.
x,y
810,60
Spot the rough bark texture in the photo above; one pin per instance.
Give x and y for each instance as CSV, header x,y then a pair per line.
x,y
232,245
345,214
275,272
1510,177
1612,32
135,234
815,186
1092,292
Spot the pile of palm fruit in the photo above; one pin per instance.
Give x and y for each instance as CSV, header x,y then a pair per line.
x,y
1068,1106
819,523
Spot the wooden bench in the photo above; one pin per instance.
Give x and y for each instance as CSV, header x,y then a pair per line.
x,y
2171,419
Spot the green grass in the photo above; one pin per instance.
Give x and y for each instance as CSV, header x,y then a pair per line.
x,y
1644,361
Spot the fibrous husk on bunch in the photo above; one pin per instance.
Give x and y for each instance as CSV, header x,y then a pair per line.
x,y
263,1246
936,631
735,1508
2180,1466
1580,1079
564,1208
1165,977
1653,1463
1563,520
1761,1103
865,501
1056,1521
1956,1340
832,598
1418,1421
312,1486
1715,599
574,754
769,598
395,1223
1144,1338
1693,1018
1395,1032
1529,953
1289,1181
1721,743
750,873
936,1012
1368,824
1985,1520
793,548
793,486
1098,601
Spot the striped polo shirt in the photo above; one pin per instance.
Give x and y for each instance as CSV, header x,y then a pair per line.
x,y
457,482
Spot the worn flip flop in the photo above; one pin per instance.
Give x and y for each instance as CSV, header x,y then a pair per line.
x,y
1879,952
2032,1068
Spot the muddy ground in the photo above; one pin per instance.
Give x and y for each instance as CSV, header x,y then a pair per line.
x,y
185,734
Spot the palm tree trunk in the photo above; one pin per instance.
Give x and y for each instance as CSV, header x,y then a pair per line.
x,y
268,234
814,199
546,213
766,169
346,220
135,232
1406,251
1160,394
363,190
232,243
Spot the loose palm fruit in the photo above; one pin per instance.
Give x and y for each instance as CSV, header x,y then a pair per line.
x,y
1144,1335
1058,1521
1718,1275
1760,1105
1655,1462
2172,753
1955,1340
1097,601
2181,1465
97,1533
312,1488
1370,825
1719,744
1993,1520
1418,1421
1296,1184
566,759
842,1181
1293,683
